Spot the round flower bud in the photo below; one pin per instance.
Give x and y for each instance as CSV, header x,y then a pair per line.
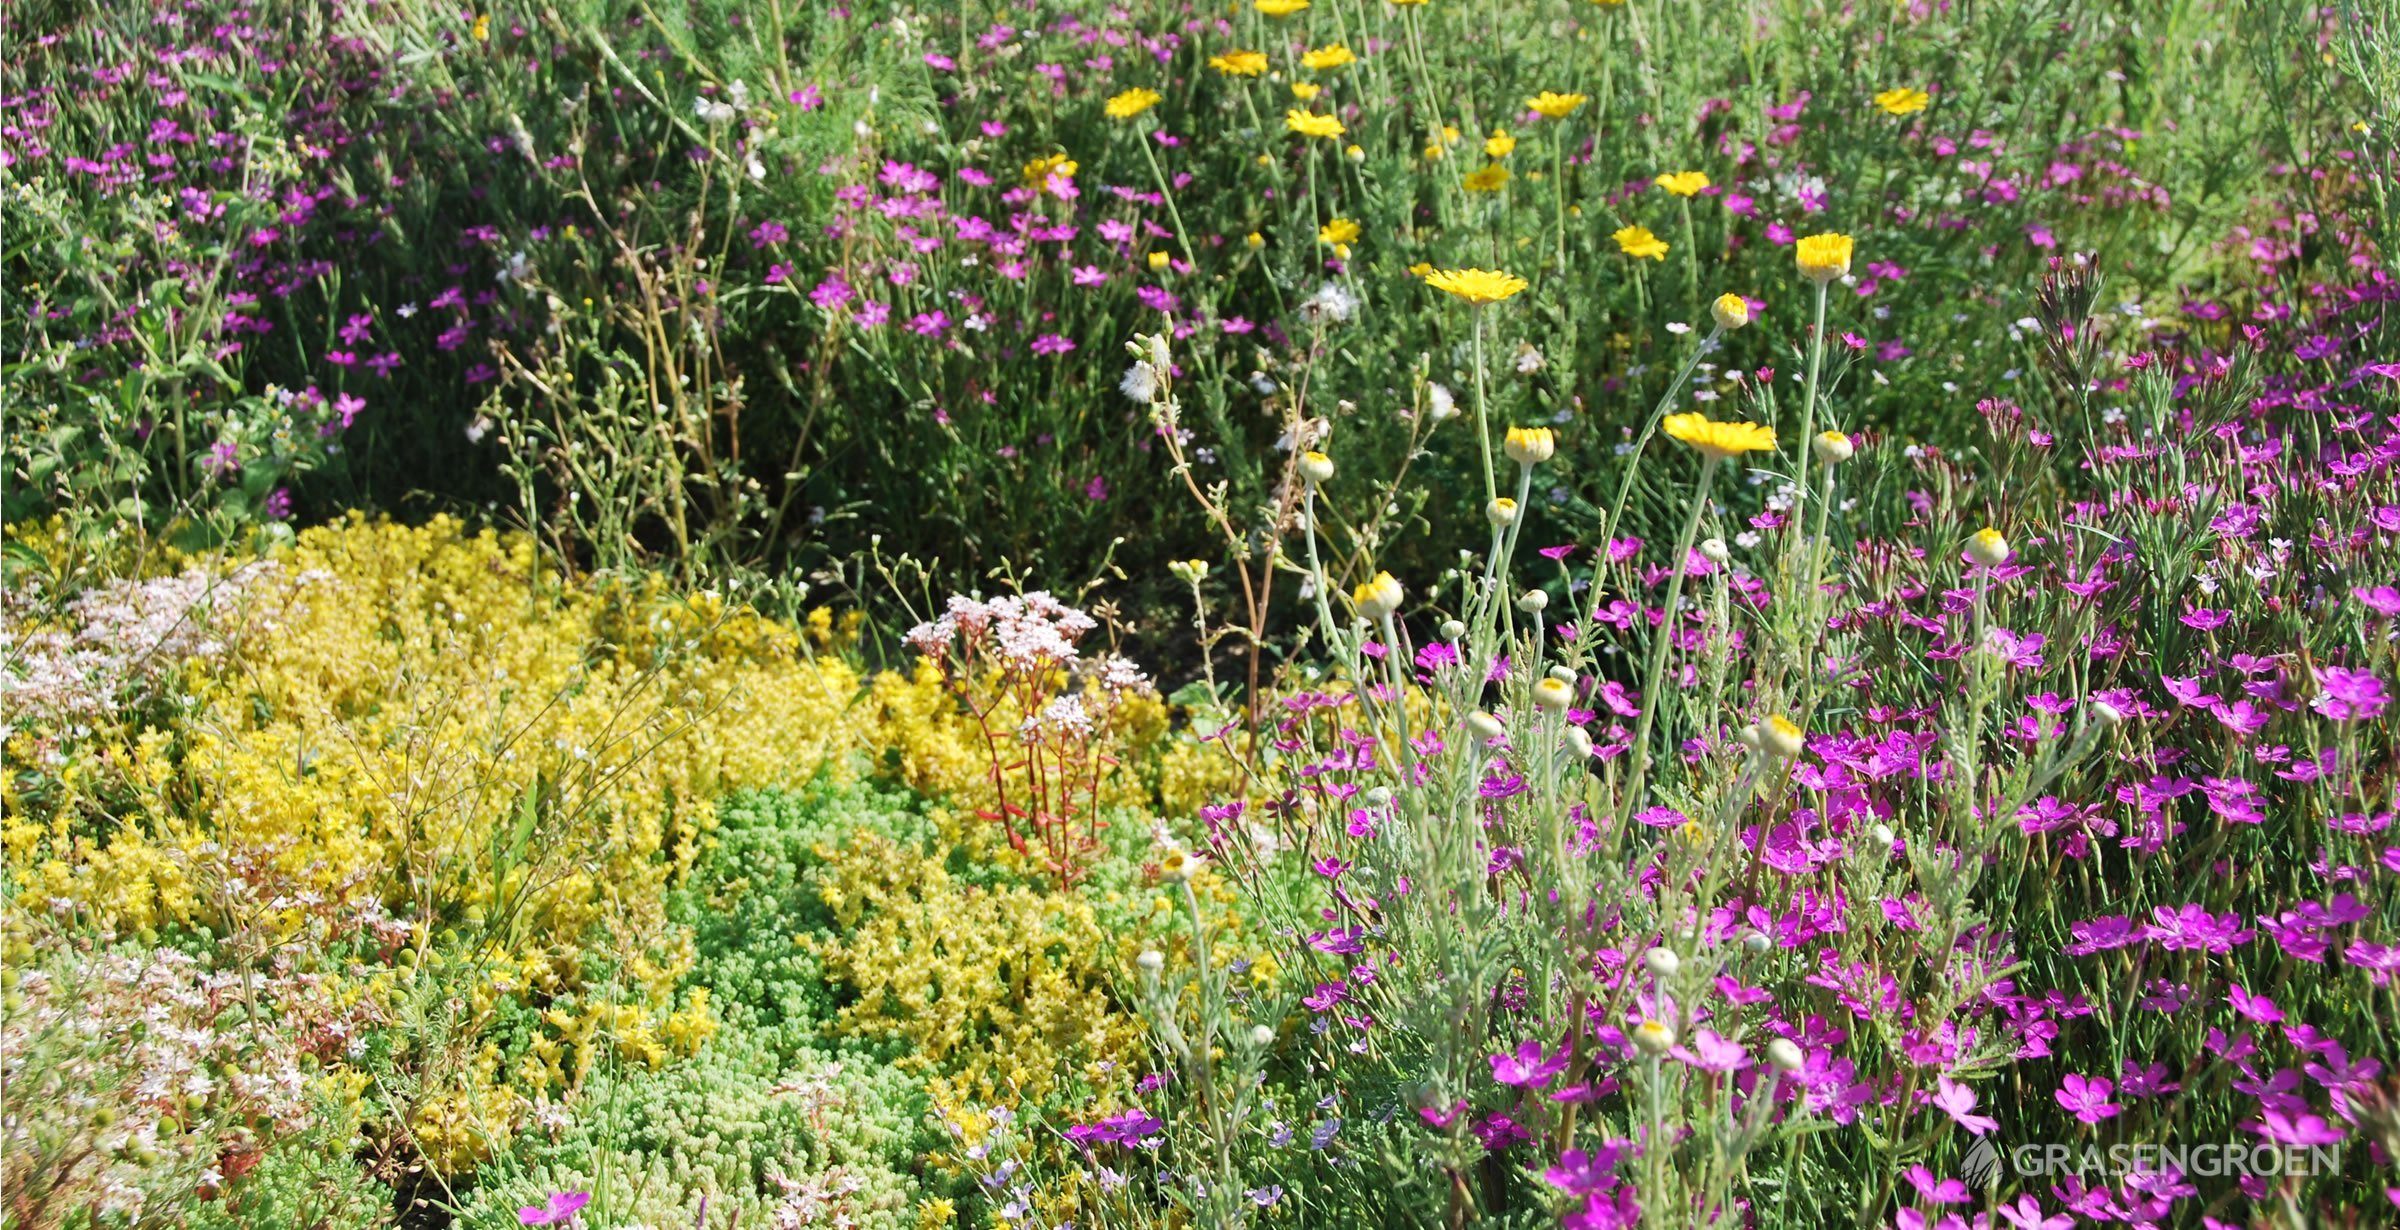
x,y
1579,741
2106,714
1747,736
1786,1055
1355,154
1378,598
1452,629
1988,548
1174,865
1530,446
1151,960
1500,512
1756,943
1553,696
1533,601
1662,962
1822,258
1777,737
1730,312
1562,674
1833,448
1654,1037
1381,796
1484,726
1714,551
1883,834
1262,1036
1316,467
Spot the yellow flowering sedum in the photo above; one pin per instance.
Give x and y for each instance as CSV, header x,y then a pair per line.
x,y
1715,439
1039,170
1476,286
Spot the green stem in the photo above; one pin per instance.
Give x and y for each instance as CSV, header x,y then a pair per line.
x,y
1483,422
1651,696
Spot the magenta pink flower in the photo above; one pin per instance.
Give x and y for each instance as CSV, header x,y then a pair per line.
x,y
1958,1102
558,1210
2087,1097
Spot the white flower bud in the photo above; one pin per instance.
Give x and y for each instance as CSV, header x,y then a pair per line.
x,y
1452,629
1553,696
1579,741
1315,467
1832,447
1730,311
1777,737
1662,962
1484,726
1988,548
1713,550
1533,601
1654,1037
1262,1036
1786,1055
1151,960
1501,512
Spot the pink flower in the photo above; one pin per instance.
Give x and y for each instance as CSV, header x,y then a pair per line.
x,y
2348,696
1051,343
558,1210
2301,1130
2026,1214
1527,1065
2255,1007
2087,1098
1958,1101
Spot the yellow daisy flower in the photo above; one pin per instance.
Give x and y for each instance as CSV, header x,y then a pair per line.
x,y
1331,55
1489,179
1684,183
1476,286
1902,101
1132,103
1552,106
1311,125
1716,439
1240,63
1637,242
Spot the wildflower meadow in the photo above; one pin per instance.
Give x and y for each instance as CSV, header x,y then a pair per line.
x,y
1120,614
